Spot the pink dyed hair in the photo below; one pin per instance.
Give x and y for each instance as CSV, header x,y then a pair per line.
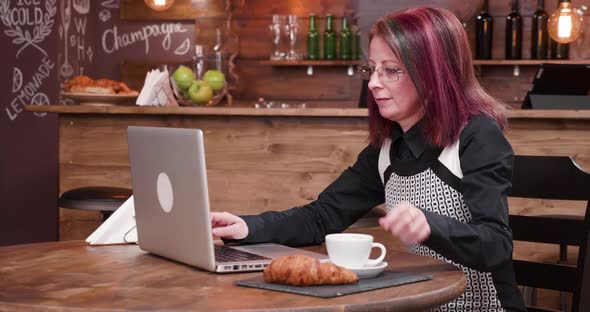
x,y
432,43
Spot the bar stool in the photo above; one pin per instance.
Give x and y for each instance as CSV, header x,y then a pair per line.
x,y
105,199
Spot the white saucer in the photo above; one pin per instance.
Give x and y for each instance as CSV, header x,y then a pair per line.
x,y
367,271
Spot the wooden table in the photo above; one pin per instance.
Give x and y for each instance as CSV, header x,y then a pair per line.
x,y
74,276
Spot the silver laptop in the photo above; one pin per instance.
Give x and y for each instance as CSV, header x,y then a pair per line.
x,y
169,180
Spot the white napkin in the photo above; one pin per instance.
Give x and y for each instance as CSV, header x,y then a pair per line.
x,y
119,228
156,90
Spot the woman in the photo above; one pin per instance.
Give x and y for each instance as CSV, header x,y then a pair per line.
x,y
437,158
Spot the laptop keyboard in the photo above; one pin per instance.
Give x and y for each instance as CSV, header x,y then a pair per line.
x,y
228,254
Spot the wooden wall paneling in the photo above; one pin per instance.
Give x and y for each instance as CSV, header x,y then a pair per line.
x,y
499,9
560,138
260,144
133,72
83,174
77,224
256,38
206,34
251,20
251,24
226,186
500,82
77,170
498,45
527,7
180,10
522,206
266,8
253,159
328,84
378,8
579,49
273,159
282,83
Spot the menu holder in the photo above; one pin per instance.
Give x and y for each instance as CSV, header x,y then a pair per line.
x,y
119,228
156,90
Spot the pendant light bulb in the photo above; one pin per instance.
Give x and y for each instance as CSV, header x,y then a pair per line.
x,y
159,5
565,24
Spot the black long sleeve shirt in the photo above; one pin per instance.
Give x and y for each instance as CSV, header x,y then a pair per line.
x,y
484,243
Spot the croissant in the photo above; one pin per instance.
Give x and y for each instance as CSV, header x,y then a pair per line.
x,y
300,270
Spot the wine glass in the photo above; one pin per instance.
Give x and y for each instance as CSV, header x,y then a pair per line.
x,y
291,31
278,23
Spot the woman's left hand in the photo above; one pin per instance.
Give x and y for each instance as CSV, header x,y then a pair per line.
x,y
407,222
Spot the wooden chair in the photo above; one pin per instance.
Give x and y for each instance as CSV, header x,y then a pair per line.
x,y
558,178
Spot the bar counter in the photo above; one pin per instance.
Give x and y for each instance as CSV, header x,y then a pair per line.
x,y
262,159
241,110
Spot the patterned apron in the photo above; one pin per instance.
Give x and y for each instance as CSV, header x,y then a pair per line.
x,y
426,190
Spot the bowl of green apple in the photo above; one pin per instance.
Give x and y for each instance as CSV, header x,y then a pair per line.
x,y
191,90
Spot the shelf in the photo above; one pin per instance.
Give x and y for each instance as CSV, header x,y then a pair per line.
x,y
475,62
247,110
518,63
311,63
529,62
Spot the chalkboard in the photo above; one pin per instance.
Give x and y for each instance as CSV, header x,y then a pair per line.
x,y
96,41
28,157
45,42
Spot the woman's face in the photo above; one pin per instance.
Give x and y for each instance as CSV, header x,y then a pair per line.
x,y
397,100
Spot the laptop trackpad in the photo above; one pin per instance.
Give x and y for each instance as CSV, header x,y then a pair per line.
x,y
271,250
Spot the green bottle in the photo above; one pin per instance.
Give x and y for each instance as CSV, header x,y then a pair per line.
x,y
345,41
313,40
356,41
329,40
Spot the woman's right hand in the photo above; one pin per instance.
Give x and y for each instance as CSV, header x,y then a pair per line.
x,y
227,225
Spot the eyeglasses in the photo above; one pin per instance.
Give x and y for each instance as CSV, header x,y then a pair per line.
x,y
385,73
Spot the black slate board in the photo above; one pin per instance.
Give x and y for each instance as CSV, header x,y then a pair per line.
x,y
386,279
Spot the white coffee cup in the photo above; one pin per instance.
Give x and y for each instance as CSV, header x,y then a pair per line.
x,y
352,250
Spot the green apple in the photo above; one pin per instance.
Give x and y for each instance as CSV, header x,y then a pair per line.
x,y
200,92
183,76
215,78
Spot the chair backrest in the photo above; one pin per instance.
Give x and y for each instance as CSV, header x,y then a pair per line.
x,y
560,178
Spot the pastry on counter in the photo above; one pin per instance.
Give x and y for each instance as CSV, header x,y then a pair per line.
x,y
301,270
85,84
